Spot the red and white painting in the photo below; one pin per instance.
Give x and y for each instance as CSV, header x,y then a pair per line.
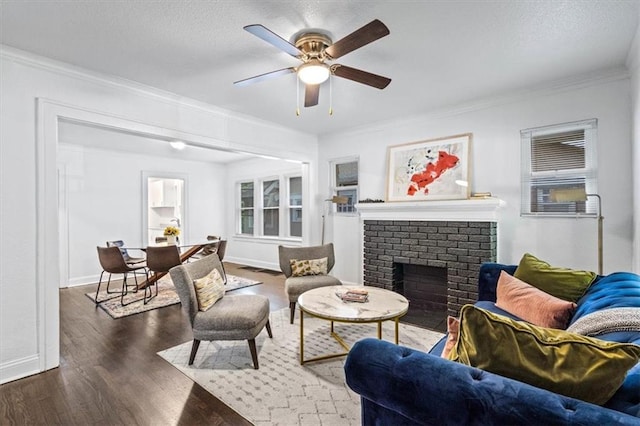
x,y
436,169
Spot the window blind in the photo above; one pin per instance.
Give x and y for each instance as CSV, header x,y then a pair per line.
x,y
558,158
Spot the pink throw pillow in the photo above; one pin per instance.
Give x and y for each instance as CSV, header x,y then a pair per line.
x,y
532,304
453,329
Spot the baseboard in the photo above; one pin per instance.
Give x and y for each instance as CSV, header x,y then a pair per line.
x,y
254,263
19,368
76,282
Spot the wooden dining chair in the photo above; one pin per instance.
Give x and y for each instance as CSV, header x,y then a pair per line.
x,y
113,262
160,259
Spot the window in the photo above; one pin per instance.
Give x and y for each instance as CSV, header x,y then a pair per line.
x,y
246,208
559,158
345,184
295,206
271,207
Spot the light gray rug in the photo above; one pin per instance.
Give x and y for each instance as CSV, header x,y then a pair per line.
x,y
167,296
282,392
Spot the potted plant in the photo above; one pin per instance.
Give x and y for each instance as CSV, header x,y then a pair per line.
x,y
171,232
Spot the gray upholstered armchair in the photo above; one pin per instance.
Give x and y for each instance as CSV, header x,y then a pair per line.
x,y
295,286
230,318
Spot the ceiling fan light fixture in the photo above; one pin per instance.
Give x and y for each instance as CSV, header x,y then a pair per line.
x,y
179,145
313,72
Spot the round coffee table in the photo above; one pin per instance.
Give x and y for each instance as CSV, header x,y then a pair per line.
x,y
324,303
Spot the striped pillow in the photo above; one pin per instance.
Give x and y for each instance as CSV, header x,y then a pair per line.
x,y
209,289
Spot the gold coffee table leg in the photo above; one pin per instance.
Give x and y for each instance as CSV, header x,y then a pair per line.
x,y
379,330
397,320
301,337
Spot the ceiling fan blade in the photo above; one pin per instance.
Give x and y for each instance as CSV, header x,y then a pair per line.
x,y
272,38
360,37
311,93
360,76
265,76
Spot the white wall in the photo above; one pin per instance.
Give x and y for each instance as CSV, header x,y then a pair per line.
x,y
104,201
495,167
259,252
35,93
633,63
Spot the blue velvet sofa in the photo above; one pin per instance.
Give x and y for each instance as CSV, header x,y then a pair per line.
x,y
404,386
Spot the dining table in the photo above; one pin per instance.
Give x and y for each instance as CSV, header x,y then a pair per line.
x,y
186,252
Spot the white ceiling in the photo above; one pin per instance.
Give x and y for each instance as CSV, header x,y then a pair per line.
x,y
439,53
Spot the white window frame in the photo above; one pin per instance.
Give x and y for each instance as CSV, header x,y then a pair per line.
x,y
278,208
338,209
240,208
289,208
588,174
283,207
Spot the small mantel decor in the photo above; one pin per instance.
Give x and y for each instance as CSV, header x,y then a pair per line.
x,y
435,169
171,232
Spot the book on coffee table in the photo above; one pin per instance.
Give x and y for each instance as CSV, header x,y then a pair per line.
x,y
353,295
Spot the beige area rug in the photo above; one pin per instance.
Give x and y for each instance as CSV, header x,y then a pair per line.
x,y
283,392
167,296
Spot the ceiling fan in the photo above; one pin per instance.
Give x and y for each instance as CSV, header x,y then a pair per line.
x,y
315,49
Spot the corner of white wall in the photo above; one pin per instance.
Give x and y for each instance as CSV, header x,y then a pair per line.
x,y
633,64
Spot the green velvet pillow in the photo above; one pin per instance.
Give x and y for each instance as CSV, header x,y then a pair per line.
x,y
563,283
565,363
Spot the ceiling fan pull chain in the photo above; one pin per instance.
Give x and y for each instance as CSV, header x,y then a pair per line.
x,y
297,96
330,94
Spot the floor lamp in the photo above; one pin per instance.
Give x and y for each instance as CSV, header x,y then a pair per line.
x,y
334,200
579,194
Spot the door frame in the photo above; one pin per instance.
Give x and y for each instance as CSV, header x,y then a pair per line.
x,y
146,175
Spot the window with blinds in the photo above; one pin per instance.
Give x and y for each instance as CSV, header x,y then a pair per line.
x,y
559,159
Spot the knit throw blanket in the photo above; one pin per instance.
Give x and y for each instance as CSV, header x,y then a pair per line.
x,y
607,321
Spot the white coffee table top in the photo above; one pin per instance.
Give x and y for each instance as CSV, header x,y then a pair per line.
x,y
382,305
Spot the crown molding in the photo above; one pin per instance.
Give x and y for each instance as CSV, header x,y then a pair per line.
x,y
68,70
549,88
545,89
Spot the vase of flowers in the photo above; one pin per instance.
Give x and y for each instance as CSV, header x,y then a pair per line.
x,y
171,232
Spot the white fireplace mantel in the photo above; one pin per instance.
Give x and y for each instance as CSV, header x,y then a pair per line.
x,y
472,210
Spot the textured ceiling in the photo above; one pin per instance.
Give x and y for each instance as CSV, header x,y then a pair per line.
x,y
439,53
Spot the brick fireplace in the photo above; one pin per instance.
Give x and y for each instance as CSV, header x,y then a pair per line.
x,y
431,251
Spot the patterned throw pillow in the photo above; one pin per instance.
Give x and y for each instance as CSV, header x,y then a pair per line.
x,y
301,268
209,289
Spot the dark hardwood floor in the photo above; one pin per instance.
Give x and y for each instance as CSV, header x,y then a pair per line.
x,y
110,374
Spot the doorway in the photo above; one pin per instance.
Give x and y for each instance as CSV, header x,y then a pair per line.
x,y
165,205
50,115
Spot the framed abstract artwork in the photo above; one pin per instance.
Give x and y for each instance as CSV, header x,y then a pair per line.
x,y
435,169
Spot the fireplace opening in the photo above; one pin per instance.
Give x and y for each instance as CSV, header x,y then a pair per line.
x,y
426,289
